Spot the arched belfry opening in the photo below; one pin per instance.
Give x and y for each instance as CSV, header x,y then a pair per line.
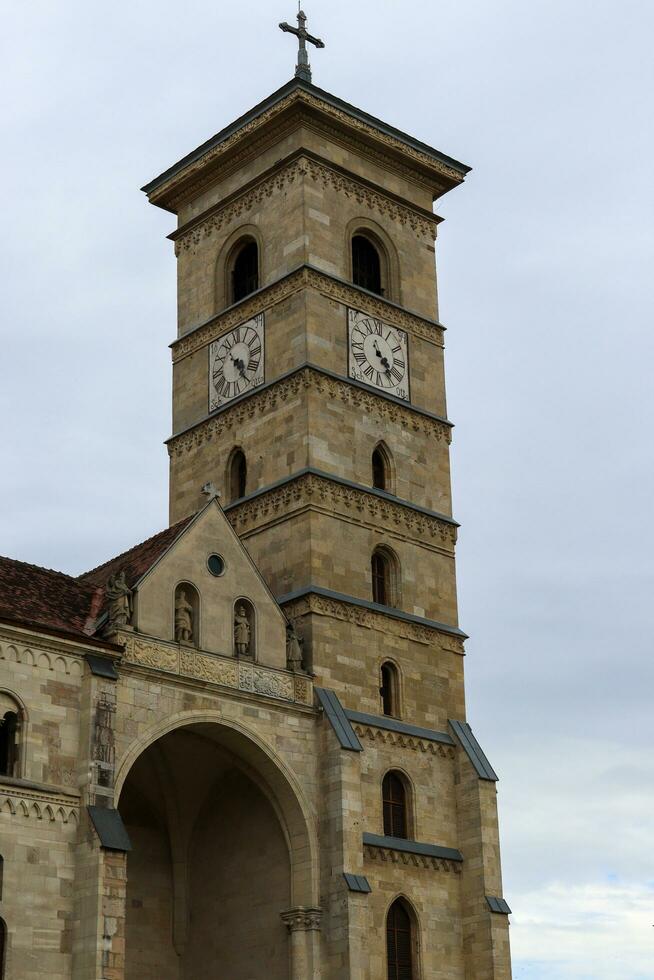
x,y
212,822
237,474
367,265
244,272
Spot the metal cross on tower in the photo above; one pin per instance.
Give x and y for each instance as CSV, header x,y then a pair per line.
x,y
303,68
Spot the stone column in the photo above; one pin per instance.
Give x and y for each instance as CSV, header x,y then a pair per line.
x,y
303,925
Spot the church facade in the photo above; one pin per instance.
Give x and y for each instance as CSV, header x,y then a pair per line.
x,y
240,749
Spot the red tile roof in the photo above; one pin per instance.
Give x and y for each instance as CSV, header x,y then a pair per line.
x,y
33,595
37,596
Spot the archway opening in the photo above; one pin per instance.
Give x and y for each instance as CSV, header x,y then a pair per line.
x,y
210,870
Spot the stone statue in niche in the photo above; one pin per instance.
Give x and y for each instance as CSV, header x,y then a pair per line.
x,y
242,632
183,618
293,648
120,601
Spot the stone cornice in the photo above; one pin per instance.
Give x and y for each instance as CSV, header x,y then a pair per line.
x,y
323,602
321,172
307,277
312,488
288,108
268,397
39,805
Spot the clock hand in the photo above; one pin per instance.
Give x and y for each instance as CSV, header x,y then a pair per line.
x,y
383,359
239,365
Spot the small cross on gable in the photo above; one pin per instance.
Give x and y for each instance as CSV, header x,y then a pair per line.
x,y
303,68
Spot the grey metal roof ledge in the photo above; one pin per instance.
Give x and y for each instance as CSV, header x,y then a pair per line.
x,y
472,748
333,709
394,725
413,847
110,828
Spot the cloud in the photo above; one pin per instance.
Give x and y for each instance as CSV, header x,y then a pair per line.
x,y
592,931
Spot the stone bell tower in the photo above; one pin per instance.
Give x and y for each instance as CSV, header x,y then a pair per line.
x,y
308,388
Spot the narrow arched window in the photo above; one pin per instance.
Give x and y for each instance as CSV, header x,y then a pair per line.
x,y
9,726
380,578
385,573
378,470
381,468
366,265
399,942
395,805
2,875
238,475
245,271
389,689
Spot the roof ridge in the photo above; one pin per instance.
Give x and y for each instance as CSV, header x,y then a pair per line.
x,y
42,568
135,547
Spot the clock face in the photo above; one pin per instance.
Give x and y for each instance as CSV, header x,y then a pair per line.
x,y
236,362
378,353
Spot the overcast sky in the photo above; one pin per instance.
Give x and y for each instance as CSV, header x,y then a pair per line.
x,y
546,267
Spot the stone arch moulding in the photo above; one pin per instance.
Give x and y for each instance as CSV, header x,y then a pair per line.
x,y
274,778
225,261
391,278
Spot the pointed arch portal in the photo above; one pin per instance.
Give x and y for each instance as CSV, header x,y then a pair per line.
x,y
220,850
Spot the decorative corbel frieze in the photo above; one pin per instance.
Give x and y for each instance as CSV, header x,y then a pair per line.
x,y
311,489
303,167
264,400
387,855
401,740
359,615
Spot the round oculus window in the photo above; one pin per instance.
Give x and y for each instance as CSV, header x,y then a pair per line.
x,y
216,564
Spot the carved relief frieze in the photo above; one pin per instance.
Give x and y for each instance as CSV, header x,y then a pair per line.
x,y
387,855
300,168
215,669
311,489
320,605
150,654
403,741
269,398
326,285
205,668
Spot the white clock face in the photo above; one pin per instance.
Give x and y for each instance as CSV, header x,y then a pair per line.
x,y
236,362
378,353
